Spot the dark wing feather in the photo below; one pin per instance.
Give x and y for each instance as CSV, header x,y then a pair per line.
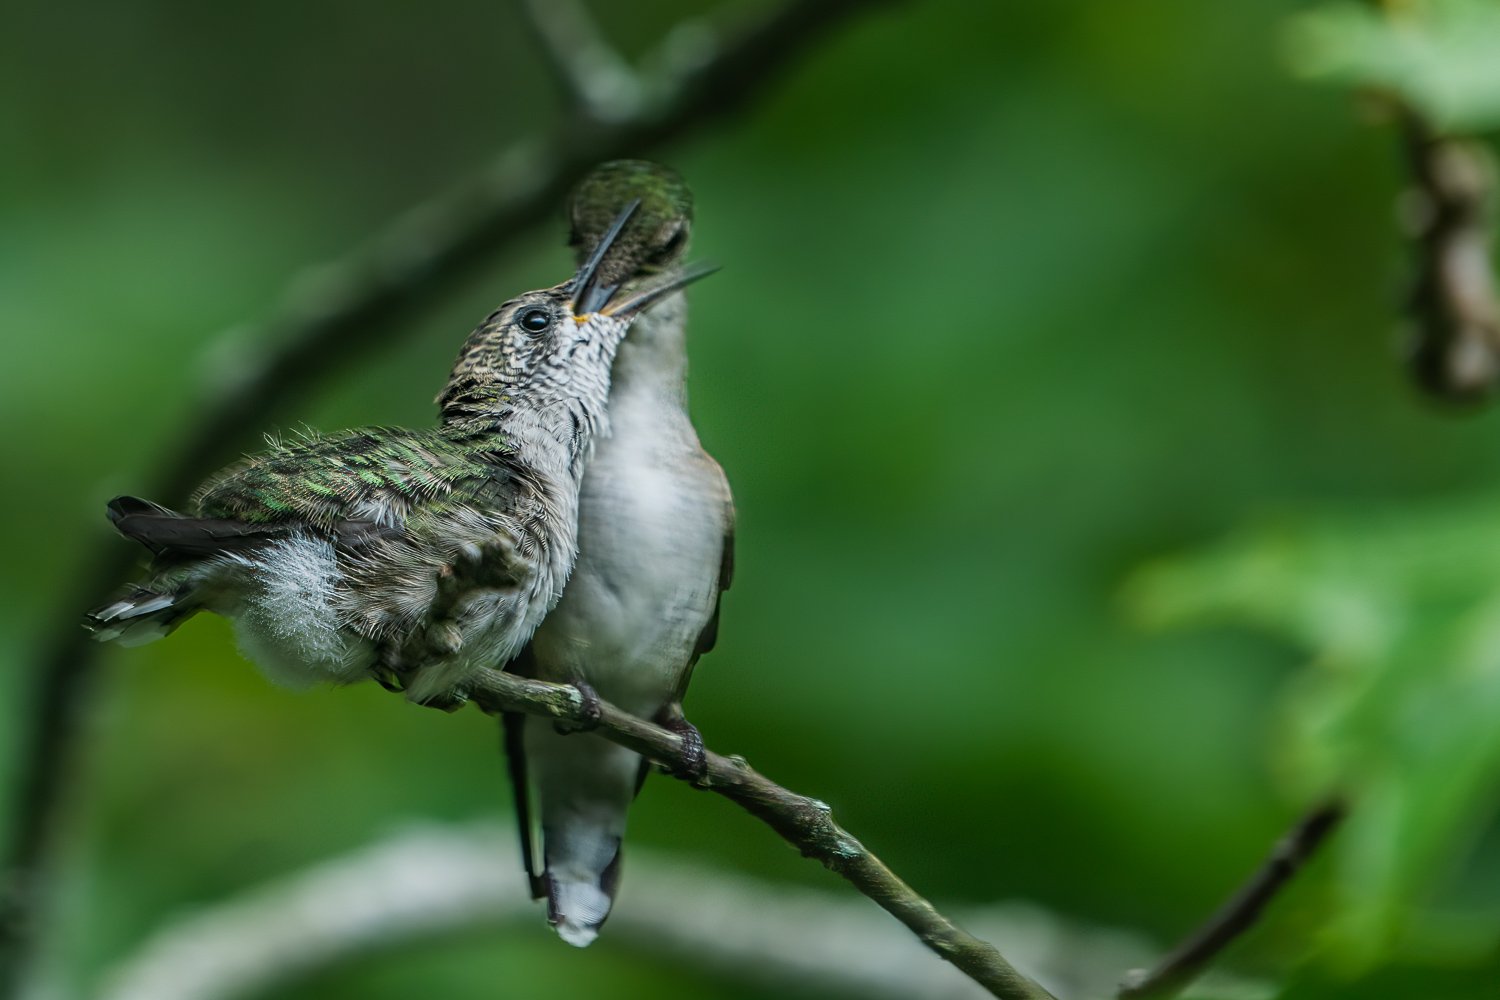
x,y
709,637
170,535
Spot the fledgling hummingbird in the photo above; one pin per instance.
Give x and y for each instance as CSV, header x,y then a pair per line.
x,y
655,550
336,556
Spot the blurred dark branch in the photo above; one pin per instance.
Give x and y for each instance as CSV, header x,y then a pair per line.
x,y
1454,352
348,309
595,76
805,823
1190,958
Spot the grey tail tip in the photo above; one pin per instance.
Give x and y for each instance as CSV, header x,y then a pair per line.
x,y
577,910
137,616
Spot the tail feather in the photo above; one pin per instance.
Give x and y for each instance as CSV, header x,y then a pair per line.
x,y
579,899
138,616
583,789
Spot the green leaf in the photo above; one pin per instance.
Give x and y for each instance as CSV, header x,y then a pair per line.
x,y
1399,614
1438,55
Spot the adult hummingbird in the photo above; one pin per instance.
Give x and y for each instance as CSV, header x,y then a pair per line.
x,y
412,556
655,538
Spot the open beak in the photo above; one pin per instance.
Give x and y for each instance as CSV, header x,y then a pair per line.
x,y
645,299
589,295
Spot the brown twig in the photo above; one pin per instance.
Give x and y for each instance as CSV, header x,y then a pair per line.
x,y
1188,960
358,305
805,823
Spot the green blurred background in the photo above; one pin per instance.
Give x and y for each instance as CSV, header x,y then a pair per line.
x,y
1017,299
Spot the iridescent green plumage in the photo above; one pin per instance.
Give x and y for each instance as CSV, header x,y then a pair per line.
x,y
422,553
324,479
658,233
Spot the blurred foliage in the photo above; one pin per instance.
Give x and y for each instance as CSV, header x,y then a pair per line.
x,y
1437,54
1016,298
1400,611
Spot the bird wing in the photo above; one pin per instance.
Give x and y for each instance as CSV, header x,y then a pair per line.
x,y
374,475
709,636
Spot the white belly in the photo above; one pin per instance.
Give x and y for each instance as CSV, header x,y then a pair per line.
x,y
287,621
650,540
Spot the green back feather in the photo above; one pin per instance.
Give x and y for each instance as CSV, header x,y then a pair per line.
x,y
321,480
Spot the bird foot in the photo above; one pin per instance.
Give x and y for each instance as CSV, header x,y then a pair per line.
x,y
448,701
491,564
395,673
590,711
693,767
444,639
388,669
388,680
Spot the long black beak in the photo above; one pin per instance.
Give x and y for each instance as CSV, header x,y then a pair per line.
x,y
588,294
645,299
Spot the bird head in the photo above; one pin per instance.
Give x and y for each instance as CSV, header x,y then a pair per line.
x,y
547,340
657,236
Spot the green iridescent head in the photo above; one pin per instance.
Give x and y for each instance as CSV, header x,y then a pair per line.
x,y
657,235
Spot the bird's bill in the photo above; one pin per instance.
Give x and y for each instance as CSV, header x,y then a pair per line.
x,y
589,294
649,297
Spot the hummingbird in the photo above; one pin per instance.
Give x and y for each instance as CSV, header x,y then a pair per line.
x,y
655,551
409,556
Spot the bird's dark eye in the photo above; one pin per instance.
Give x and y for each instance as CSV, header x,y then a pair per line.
x,y
535,320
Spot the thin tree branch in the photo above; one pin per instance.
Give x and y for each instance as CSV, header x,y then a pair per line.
x,y
1189,959
356,306
805,823
591,72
